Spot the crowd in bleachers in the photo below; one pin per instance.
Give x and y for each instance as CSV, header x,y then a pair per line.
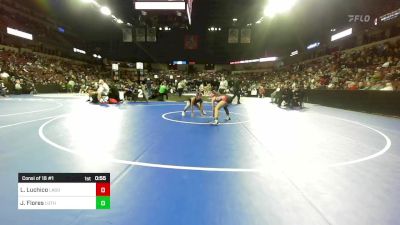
x,y
30,69
372,68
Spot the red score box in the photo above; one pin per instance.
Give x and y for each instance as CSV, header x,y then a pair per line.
x,y
102,189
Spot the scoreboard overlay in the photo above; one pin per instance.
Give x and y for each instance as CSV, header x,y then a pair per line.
x,y
78,191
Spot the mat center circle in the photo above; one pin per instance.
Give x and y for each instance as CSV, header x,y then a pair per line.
x,y
197,119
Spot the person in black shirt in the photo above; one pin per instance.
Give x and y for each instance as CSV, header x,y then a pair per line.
x,y
286,96
298,96
237,90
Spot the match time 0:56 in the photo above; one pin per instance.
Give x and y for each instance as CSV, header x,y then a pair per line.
x,y
100,178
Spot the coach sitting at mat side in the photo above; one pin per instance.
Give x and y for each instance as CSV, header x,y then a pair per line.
x,y
102,90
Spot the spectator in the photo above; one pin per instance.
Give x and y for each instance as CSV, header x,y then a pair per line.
x,y
181,86
201,88
3,89
261,91
163,91
71,86
388,87
18,87
223,85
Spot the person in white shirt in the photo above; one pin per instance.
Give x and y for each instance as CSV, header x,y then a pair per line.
x,y
223,85
103,89
18,87
201,88
71,86
181,87
388,87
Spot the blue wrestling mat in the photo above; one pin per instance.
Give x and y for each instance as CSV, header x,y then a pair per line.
x,y
266,166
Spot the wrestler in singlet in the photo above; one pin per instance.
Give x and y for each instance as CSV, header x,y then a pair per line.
x,y
217,102
194,101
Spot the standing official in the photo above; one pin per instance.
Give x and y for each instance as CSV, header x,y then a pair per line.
x,y
237,89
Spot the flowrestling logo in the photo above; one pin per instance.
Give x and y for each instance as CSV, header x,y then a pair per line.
x,y
359,18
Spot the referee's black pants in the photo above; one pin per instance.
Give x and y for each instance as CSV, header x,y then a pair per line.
x,y
236,94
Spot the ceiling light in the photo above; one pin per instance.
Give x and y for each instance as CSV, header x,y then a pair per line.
x,y
275,7
313,45
79,50
105,11
342,34
234,19
120,21
268,59
294,53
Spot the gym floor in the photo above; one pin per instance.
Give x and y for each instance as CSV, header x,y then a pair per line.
x,y
318,165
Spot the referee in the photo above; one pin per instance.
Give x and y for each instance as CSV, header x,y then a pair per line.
x,y
237,89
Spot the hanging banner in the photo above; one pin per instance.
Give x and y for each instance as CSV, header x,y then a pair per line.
x,y
233,36
191,42
140,34
151,34
127,35
189,8
245,36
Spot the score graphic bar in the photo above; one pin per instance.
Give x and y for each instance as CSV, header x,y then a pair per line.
x,y
64,191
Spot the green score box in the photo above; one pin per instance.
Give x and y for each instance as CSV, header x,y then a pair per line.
x,y
103,202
